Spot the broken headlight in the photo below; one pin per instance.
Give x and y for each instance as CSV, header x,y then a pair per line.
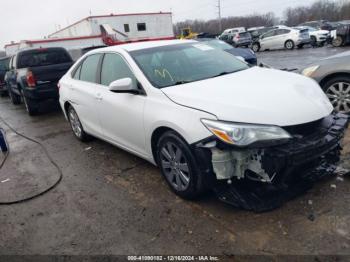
x,y
244,134
310,70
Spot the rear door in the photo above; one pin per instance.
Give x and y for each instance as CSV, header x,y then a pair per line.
x,y
281,36
267,40
11,76
83,93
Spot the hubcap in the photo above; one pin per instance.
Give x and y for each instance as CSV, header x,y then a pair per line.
x,y
75,123
339,95
175,166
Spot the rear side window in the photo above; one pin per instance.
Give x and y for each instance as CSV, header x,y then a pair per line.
x,y
269,34
76,74
88,71
114,68
43,57
244,34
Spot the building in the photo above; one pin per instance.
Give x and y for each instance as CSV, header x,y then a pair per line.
x,y
104,30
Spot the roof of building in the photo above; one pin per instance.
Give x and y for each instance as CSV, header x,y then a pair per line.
x,y
104,16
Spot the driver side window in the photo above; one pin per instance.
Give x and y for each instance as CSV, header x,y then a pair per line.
x,y
114,68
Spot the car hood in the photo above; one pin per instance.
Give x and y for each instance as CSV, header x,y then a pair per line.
x,y
245,53
256,95
322,32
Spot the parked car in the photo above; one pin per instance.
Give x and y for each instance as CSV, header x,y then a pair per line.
x,y
333,75
320,24
237,39
4,66
233,30
34,74
343,35
318,37
280,38
207,119
244,53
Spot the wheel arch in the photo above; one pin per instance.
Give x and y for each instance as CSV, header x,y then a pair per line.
x,y
333,75
156,134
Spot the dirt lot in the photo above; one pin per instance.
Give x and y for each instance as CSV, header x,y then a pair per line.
x,y
110,202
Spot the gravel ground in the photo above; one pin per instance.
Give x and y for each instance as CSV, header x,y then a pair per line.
x,y
111,202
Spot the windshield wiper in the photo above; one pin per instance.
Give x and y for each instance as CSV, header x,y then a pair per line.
x,y
223,73
181,82
226,73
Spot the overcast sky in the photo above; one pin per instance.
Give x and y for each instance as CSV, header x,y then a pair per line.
x,y
23,19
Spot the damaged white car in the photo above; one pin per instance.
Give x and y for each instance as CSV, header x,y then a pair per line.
x,y
255,136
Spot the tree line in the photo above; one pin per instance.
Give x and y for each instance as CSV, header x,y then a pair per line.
x,y
319,10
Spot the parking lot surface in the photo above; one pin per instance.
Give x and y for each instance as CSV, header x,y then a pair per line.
x,y
111,202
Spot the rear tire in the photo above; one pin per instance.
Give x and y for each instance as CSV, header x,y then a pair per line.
x,y
15,99
31,107
338,41
76,125
289,45
178,166
256,47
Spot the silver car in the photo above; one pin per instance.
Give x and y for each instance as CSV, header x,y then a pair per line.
x,y
282,37
333,75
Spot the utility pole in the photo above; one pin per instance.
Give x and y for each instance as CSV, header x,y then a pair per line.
x,y
219,13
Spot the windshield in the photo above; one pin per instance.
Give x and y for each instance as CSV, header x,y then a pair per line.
x,y
43,57
184,63
4,64
218,44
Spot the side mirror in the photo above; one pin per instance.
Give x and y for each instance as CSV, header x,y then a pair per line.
x,y
123,85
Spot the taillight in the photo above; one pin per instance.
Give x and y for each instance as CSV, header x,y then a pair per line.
x,y
58,86
30,79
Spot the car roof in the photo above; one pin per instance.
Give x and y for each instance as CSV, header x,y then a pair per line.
x,y
144,45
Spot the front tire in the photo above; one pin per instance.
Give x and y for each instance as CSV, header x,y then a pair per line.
x,y
179,167
338,41
256,47
289,45
76,125
337,90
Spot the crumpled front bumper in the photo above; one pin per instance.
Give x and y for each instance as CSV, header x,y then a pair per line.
x,y
275,173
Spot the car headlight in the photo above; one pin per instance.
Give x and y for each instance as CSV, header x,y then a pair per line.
x,y
244,134
310,70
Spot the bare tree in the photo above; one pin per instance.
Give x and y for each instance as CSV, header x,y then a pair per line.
x,y
321,9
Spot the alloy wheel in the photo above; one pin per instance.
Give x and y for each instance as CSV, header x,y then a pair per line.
x,y
175,166
75,122
339,95
289,44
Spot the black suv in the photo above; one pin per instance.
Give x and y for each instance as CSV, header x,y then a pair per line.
x,y
4,67
34,74
321,24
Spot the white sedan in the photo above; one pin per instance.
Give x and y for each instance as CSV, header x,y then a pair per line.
x,y
207,119
317,36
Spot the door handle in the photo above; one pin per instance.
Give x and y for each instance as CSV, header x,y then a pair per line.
x,y
98,97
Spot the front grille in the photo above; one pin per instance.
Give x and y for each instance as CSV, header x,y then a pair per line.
x,y
305,129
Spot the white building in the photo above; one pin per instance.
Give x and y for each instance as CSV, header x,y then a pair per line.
x,y
104,30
